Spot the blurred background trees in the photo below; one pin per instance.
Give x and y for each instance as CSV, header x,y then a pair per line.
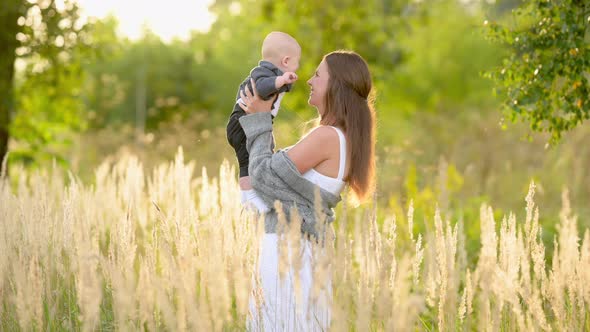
x,y
441,136
545,77
47,44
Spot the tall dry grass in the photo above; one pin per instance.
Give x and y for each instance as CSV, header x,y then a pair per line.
x,y
172,250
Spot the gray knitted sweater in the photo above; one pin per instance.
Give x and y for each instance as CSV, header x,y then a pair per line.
x,y
275,177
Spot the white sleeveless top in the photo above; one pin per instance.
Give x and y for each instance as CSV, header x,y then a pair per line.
x,y
330,184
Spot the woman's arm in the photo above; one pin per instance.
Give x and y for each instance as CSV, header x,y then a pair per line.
x,y
313,149
275,177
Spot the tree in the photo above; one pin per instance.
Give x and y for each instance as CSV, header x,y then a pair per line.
x,y
9,14
147,82
545,78
49,38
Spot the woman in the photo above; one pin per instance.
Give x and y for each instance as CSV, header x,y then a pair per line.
x,y
339,152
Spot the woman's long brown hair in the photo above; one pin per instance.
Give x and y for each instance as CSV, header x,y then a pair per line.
x,y
349,105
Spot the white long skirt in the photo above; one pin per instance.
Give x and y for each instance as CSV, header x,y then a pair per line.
x,y
276,304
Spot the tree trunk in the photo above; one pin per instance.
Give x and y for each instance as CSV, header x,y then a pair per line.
x,y
10,11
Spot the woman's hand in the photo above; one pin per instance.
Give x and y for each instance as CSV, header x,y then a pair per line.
x,y
252,103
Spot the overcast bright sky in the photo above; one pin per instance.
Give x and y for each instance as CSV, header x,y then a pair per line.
x,y
166,18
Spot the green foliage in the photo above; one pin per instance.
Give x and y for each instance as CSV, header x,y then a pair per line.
x,y
544,80
52,46
49,109
145,76
183,79
444,52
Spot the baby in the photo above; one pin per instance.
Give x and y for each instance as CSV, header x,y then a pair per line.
x,y
274,76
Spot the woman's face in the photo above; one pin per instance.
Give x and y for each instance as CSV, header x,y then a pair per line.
x,y
319,86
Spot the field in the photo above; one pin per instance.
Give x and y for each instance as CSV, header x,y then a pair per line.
x,y
170,249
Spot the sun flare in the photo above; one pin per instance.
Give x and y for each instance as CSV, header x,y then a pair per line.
x,y
169,20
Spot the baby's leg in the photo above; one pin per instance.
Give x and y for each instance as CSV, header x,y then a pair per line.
x,y
237,139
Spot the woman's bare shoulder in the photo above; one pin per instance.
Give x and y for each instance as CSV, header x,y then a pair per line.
x,y
316,147
323,133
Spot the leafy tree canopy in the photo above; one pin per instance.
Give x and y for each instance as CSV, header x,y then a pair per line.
x,y
545,77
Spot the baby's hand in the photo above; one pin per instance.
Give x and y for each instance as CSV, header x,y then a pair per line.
x,y
289,77
286,78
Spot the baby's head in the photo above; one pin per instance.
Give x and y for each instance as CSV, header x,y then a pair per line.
x,y
281,50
